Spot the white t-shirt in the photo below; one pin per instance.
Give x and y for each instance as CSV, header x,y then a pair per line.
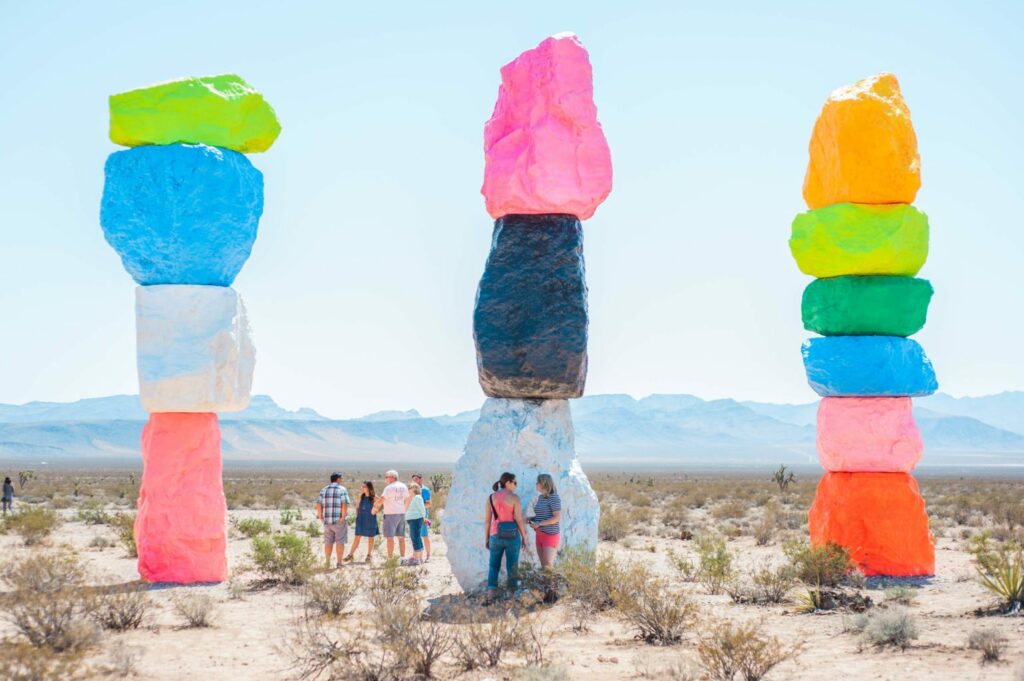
x,y
394,498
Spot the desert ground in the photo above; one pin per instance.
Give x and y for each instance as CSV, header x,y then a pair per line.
x,y
697,577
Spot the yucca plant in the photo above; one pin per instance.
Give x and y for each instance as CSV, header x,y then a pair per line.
x,y
1001,570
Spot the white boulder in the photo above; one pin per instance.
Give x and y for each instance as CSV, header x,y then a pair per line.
x,y
195,353
524,437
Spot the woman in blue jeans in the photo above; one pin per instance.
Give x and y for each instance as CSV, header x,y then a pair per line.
x,y
506,533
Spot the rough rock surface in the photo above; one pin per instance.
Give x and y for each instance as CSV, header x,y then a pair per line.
x,y
863,149
868,366
525,437
848,238
866,306
222,111
879,517
180,528
195,353
544,149
181,214
530,318
874,434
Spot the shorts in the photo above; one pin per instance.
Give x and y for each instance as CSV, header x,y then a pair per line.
x,y
336,534
545,540
394,525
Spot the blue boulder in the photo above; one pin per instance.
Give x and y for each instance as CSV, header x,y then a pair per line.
x,y
182,213
868,366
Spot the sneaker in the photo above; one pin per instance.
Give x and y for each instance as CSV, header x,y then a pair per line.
x,y
427,559
348,558
369,558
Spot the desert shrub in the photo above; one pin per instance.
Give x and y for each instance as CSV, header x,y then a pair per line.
x,y
486,639
122,610
588,583
99,542
715,567
728,650
772,583
32,524
320,648
615,523
764,530
731,509
124,659
313,528
687,570
253,527
391,586
1000,569
821,566
893,627
93,515
288,516
124,525
419,643
658,614
991,643
285,558
49,604
533,643
900,594
22,661
329,594
197,609
676,513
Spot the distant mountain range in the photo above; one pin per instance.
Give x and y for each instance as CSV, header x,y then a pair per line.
x,y
655,430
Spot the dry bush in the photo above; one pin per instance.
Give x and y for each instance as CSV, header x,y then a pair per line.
x,y
687,570
22,661
124,525
893,627
820,566
990,642
486,639
588,582
392,586
534,642
900,594
49,604
731,509
329,594
33,524
676,513
324,649
730,649
283,558
253,527
715,568
417,642
614,524
772,583
658,614
122,610
124,659
197,609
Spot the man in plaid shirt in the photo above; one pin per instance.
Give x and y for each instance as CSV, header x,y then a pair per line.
x,y
332,510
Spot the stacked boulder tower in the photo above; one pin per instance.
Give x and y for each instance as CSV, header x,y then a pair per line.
x,y
547,167
865,243
181,207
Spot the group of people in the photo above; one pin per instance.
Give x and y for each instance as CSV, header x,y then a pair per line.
x,y
397,507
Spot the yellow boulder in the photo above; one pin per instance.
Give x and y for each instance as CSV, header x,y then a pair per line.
x,y
863,149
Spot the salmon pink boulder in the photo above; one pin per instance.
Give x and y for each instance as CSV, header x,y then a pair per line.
x,y
873,434
544,148
180,527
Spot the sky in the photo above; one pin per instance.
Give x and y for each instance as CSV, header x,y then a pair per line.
x,y
361,284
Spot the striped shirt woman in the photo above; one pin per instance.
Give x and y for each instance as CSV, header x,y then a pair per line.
x,y
547,512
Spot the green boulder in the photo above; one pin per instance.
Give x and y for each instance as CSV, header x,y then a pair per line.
x,y
219,111
866,306
856,238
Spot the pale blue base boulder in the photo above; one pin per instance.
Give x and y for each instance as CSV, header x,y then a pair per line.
x,y
182,213
868,366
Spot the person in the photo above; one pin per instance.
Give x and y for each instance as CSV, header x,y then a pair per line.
x,y
332,510
366,521
393,502
426,494
415,514
8,498
506,535
547,514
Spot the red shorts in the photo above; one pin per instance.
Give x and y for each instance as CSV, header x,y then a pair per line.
x,y
548,540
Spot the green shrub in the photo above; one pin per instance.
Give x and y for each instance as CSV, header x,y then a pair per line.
x,y
1000,569
989,642
253,527
615,523
728,650
820,566
715,567
93,516
329,594
658,614
288,516
392,586
588,583
894,627
33,524
124,525
286,558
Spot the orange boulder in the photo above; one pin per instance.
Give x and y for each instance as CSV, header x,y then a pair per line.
x,y
879,517
863,149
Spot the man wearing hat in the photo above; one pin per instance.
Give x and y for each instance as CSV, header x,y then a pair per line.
x,y
332,510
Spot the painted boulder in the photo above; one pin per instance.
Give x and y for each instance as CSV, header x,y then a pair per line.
x,y
182,214
866,306
863,149
868,434
524,437
879,517
195,353
847,238
181,524
222,111
530,319
868,366
544,148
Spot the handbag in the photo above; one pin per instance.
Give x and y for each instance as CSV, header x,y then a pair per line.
x,y
507,529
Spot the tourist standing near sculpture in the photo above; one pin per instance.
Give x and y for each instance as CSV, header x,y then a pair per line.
x,y
866,243
181,207
392,501
332,510
547,167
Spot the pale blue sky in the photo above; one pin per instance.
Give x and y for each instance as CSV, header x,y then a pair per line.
x,y
361,284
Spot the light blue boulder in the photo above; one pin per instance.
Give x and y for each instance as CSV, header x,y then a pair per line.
x,y
868,366
181,213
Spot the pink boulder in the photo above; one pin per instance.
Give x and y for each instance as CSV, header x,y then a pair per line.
x,y
868,434
545,150
181,523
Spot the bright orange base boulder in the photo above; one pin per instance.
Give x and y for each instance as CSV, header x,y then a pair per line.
x,y
180,528
879,517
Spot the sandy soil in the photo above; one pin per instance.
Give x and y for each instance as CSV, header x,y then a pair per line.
x,y
249,633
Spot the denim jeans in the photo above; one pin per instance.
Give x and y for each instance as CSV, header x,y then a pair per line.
x,y
416,533
510,549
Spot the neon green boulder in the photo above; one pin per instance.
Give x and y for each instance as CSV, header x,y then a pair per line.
x,y
866,306
857,238
220,111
